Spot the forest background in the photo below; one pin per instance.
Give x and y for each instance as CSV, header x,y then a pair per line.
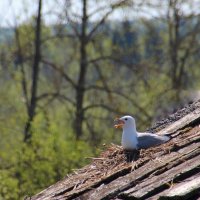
x,y
64,81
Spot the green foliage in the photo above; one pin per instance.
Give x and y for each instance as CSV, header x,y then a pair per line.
x,y
53,152
8,185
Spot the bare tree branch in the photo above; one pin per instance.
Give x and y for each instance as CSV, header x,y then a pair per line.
x,y
99,23
100,58
60,70
56,95
73,24
104,82
106,107
134,103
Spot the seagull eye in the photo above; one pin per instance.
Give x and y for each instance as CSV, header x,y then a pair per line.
x,y
126,119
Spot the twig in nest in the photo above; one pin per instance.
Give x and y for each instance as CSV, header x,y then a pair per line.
x,y
95,158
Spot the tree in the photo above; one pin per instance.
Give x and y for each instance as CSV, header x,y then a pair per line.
x,y
31,103
85,33
35,74
181,43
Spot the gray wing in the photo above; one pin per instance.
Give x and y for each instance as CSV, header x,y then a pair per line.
x,y
147,140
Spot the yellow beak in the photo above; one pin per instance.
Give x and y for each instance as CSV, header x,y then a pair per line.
x,y
118,123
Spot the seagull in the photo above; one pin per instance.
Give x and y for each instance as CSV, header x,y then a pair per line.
x,y
133,140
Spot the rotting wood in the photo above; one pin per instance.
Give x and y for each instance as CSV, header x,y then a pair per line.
x,y
67,184
148,187
131,179
175,117
106,178
182,190
187,120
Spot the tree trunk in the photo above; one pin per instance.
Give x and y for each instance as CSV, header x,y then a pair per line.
x,y
35,75
174,47
80,89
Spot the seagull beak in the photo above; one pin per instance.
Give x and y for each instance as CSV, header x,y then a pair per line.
x,y
118,123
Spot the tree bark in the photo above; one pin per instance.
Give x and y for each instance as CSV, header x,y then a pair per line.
x,y
80,89
173,26
35,75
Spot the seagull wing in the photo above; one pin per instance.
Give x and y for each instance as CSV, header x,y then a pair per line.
x,y
147,140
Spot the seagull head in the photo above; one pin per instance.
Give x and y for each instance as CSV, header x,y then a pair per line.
x,y
125,122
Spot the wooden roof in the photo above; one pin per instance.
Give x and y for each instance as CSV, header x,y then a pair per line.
x,y
169,171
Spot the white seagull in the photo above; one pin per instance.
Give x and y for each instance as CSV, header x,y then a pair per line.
x,y
131,139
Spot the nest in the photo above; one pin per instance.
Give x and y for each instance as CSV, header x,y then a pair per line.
x,y
115,160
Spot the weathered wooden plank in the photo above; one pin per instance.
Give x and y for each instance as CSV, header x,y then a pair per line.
x,y
181,123
149,186
182,190
175,117
51,191
131,179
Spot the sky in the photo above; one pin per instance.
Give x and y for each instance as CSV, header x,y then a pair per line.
x,y
18,11
14,12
